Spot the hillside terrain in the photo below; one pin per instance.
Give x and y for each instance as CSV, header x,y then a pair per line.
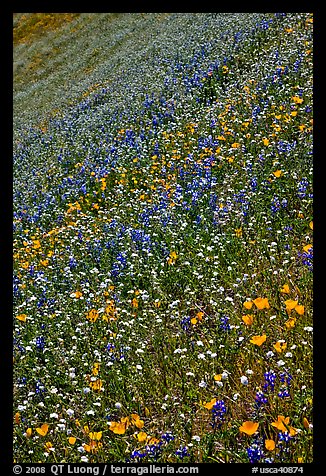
x,y
163,237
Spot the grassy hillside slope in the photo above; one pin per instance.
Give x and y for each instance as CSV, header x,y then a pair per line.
x,y
163,237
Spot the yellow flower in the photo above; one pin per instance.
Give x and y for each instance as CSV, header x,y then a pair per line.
x,y
299,310
193,321
248,319
265,141
307,248
48,446
311,225
297,99
36,244
248,304
279,423
258,340
72,440
306,423
78,294
153,441
22,317
280,346
96,385
282,424
141,436
17,418
290,304
270,445
285,289
261,303
43,429
249,427
95,435
200,315
290,323
209,405
238,232
92,315
300,460
134,303
278,173
135,420
218,377
118,428
235,145
28,433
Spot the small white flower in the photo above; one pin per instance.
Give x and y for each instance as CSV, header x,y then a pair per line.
x,y
199,342
84,459
201,356
269,354
90,412
280,363
219,383
213,355
70,412
236,396
308,329
203,384
190,374
196,438
225,375
21,408
249,372
86,390
139,367
54,415
288,354
244,380
118,405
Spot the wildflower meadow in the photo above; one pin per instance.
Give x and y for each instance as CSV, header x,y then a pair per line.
x,y
163,238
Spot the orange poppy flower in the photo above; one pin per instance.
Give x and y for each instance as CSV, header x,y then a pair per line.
x,y
249,427
248,304
209,405
270,445
258,340
290,323
261,303
43,429
290,304
280,346
285,289
299,309
118,428
248,319
142,436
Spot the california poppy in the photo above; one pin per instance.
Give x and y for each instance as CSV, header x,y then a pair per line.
x,y
249,427
209,405
248,319
248,304
270,445
43,429
258,340
261,303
